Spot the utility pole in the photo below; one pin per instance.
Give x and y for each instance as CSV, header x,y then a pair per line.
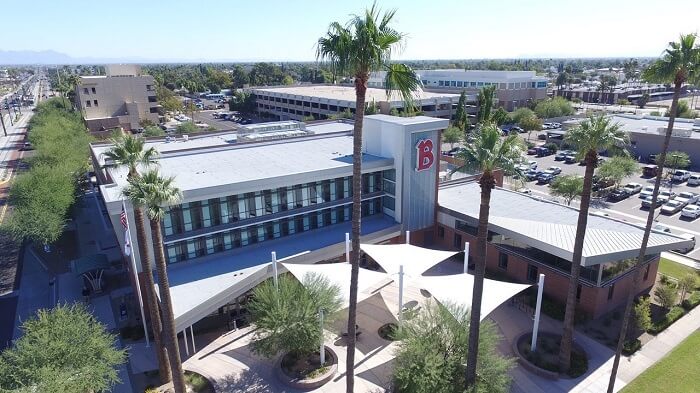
x,y
12,123
2,121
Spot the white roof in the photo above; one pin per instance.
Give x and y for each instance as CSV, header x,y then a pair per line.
x,y
458,288
415,260
339,274
551,227
347,94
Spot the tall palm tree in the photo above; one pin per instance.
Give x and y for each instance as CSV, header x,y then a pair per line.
x,y
594,134
128,151
679,64
487,153
153,192
362,46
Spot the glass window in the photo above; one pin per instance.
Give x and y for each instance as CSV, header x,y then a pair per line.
x,y
503,260
532,273
441,232
441,83
459,83
611,291
187,216
457,241
389,202
453,83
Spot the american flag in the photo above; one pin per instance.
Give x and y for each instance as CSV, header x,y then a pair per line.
x,y
127,235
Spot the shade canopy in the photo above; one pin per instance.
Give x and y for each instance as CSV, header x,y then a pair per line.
x,y
339,274
457,289
415,260
89,263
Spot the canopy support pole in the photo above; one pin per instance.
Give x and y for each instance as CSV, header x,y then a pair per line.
x,y
322,352
347,247
466,257
192,337
408,237
184,336
274,269
401,294
538,307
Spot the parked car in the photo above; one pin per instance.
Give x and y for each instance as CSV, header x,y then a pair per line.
x,y
691,239
543,151
547,126
542,137
667,193
649,170
532,174
561,155
646,192
691,211
687,198
658,227
554,169
531,151
545,178
660,200
671,207
633,188
570,159
694,180
680,175
517,129
619,194
556,125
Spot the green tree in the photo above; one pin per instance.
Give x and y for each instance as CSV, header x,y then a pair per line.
x,y
642,101
589,137
460,119
618,168
666,295
500,116
687,283
433,348
287,80
520,114
679,64
358,48
286,316
530,124
239,77
372,108
130,152
485,100
562,78
568,187
187,127
683,110
153,131
451,135
642,314
63,349
555,107
485,154
152,192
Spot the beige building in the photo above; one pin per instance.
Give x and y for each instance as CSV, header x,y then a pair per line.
x,y
122,98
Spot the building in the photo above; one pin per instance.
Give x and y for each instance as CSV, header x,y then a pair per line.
x,y
243,201
321,101
647,133
514,89
123,98
628,91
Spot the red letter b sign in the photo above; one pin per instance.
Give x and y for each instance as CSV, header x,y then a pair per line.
x,y
424,155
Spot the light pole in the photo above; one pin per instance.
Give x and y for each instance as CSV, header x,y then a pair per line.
x,y
2,121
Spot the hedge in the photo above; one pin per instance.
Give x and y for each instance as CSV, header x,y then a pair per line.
x,y
692,301
673,315
631,346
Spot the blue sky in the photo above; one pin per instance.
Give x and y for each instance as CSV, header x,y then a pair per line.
x,y
287,30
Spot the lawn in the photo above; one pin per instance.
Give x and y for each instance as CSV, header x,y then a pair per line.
x,y
674,269
678,369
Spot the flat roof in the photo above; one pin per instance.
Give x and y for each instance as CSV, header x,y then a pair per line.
x,y
551,227
347,93
650,124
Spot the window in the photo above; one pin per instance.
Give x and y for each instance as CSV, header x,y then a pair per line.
x,y
152,99
86,91
646,272
151,110
94,91
459,83
453,83
532,273
441,232
95,102
441,83
87,103
458,241
611,291
578,293
503,260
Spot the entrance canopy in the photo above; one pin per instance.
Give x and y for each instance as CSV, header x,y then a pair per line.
x,y
89,264
339,274
415,260
457,289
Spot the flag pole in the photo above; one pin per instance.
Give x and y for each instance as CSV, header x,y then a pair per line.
x,y
127,246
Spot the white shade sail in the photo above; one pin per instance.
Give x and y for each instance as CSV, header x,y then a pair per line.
x,y
415,260
339,274
457,289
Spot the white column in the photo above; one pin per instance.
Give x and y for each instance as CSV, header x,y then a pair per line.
x,y
184,336
538,306
192,337
323,347
400,294
274,269
466,256
347,247
408,237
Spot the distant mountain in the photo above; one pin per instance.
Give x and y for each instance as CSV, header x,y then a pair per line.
x,y
34,57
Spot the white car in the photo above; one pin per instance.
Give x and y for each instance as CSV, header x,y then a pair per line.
x,y
687,198
555,170
633,188
532,164
694,180
671,207
646,192
691,211
681,175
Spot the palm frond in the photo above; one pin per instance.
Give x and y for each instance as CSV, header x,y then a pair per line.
x,y
404,80
152,192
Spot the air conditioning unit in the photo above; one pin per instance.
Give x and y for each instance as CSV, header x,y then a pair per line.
x,y
185,138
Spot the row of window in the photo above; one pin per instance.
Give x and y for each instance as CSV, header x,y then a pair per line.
x,y
88,104
241,237
309,104
217,211
502,86
87,91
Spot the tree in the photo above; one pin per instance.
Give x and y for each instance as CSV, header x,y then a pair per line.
x,y
129,152
642,314
618,168
64,349
239,77
485,100
451,135
687,283
151,192
433,348
500,116
642,101
591,136
520,114
372,108
187,127
629,67
287,80
487,153
460,120
286,315
679,64
568,187
555,107
153,131
666,295
562,78
530,124
683,111
359,47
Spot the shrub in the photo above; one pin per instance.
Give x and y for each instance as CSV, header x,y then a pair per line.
x,y
552,147
556,107
631,346
672,316
642,314
687,283
666,295
186,128
692,301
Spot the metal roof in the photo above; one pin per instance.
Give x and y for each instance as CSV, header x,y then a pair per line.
x,y
551,227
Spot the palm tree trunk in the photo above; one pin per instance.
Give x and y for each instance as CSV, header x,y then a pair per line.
x,y
151,299
360,91
645,239
487,183
568,334
167,305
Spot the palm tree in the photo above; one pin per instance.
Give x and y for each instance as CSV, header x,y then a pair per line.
x,y
593,135
679,64
152,192
487,153
128,151
362,46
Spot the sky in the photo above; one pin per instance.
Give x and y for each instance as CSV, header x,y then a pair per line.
x,y
279,30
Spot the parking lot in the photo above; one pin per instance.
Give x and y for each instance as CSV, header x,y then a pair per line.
x,y
628,209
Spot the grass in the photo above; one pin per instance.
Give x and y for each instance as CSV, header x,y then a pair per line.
x,y
679,369
198,383
674,269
